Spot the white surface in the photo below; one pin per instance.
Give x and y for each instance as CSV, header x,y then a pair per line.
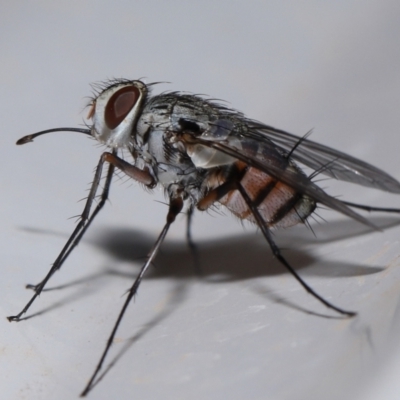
x,y
245,330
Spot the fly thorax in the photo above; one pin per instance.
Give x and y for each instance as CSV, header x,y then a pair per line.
x,y
171,163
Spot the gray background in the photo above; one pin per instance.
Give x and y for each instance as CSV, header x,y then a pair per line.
x,y
246,330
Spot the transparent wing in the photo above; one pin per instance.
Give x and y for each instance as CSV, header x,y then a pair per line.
x,y
266,148
324,159
267,160
212,125
215,122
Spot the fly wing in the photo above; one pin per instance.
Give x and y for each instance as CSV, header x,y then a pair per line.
x,y
324,159
206,124
265,159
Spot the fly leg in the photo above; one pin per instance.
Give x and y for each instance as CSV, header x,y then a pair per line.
x,y
79,231
86,218
216,194
220,191
369,208
192,246
175,207
277,253
208,200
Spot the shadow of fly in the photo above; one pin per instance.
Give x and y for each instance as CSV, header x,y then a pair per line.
x,y
203,153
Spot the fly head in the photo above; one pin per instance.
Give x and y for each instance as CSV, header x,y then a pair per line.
x,y
115,111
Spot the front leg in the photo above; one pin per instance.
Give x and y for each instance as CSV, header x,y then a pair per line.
x,y
142,176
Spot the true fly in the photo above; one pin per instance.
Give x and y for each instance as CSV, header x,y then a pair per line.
x,y
203,153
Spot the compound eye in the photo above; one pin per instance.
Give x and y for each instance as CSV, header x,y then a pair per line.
x,y
119,105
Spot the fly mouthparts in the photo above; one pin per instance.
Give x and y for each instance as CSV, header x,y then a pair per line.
x,y
29,138
25,139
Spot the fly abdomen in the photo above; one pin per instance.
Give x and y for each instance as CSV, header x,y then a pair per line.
x,y
278,204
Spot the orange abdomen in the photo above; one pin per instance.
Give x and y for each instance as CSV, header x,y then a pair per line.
x,y
278,204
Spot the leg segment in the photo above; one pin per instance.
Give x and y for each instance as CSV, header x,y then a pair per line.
x,y
277,253
175,208
86,218
216,194
369,208
192,247
79,231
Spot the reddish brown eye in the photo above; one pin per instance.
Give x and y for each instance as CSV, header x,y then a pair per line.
x,y
119,105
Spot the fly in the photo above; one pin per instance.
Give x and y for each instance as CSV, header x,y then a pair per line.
x,y
202,154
